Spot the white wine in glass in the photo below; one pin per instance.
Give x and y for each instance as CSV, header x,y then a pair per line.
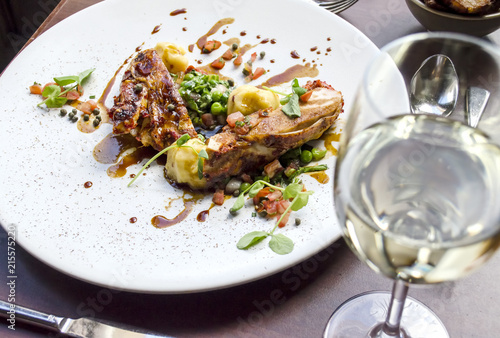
x,y
416,195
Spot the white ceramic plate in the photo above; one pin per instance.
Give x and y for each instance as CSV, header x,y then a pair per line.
x,y
86,233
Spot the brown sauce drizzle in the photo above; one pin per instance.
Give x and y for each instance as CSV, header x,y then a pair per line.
x,y
294,54
156,29
189,201
264,41
203,215
184,29
320,176
203,39
273,41
178,11
314,48
133,219
231,41
289,74
329,49
87,184
191,48
120,169
109,86
329,139
243,33
109,150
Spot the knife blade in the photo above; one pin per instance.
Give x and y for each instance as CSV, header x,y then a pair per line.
x,y
80,327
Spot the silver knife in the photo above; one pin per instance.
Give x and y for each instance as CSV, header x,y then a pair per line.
x,y
81,327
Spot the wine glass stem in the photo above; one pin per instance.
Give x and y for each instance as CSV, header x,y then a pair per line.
x,y
391,327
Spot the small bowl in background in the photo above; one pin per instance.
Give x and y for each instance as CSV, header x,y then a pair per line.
x,y
435,20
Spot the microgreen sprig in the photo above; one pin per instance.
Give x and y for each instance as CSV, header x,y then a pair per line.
x,y
54,95
279,243
181,142
290,102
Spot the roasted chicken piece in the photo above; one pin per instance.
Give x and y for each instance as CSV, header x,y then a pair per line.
x,y
473,7
233,154
149,106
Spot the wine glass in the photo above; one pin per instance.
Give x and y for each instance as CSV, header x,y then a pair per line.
x,y
417,195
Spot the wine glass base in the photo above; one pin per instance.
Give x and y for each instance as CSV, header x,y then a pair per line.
x,y
362,315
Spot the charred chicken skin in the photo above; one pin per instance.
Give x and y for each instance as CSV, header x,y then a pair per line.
x,y
149,106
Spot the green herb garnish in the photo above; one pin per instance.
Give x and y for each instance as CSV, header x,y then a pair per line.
x,y
290,101
53,93
279,243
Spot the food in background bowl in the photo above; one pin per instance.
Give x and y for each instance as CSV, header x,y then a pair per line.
x,y
466,7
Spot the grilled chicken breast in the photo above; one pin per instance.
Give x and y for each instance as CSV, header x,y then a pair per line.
x,y
149,106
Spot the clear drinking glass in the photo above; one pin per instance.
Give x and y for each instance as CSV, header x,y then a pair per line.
x,y
417,195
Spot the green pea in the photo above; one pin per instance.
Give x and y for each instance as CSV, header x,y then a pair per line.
x,y
318,154
244,186
216,108
188,77
216,95
306,156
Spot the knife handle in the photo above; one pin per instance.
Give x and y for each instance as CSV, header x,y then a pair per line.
x,y
28,315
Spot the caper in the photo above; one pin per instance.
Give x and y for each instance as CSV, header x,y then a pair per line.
x,y
262,54
96,111
297,221
96,122
234,46
63,112
86,117
74,111
138,88
70,115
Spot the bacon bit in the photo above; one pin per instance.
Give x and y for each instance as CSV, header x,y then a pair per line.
x,y
310,85
306,96
283,204
208,119
258,73
218,64
247,178
228,55
238,61
275,195
218,197
210,46
232,118
36,89
72,95
273,168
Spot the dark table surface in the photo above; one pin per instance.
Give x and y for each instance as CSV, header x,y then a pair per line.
x,y
309,291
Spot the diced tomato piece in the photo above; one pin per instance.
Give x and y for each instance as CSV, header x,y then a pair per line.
x,y
232,118
210,46
260,195
72,95
306,96
238,61
218,197
258,73
36,89
253,57
87,107
228,55
218,64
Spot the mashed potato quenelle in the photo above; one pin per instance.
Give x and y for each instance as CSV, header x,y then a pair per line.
x,y
172,56
248,99
182,164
